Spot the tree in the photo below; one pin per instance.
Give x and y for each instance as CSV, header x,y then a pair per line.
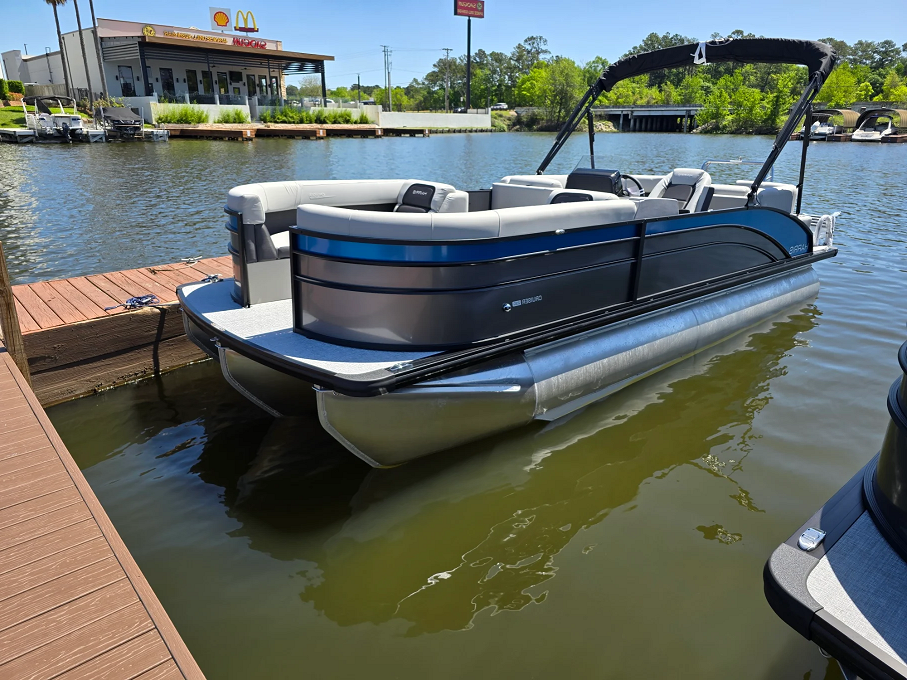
x,y
54,4
84,55
864,92
97,47
310,86
292,92
839,46
840,89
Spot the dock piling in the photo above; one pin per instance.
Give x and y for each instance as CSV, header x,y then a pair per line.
x,y
9,321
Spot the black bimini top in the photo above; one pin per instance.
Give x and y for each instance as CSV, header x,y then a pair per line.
x,y
43,103
119,114
818,57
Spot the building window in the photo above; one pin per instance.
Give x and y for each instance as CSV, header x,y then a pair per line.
x,y
263,85
221,82
127,84
206,82
250,85
192,81
167,87
235,77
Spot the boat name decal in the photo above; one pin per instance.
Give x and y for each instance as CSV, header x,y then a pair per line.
x,y
526,301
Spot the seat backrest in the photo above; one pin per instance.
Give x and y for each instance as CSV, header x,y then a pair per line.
x,y
552,181
518,195
575,196
420,197
781,198
686,185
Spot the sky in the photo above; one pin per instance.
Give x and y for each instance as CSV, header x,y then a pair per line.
x,y
416,30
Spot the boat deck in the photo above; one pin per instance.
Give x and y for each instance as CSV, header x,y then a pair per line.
x,y
73,602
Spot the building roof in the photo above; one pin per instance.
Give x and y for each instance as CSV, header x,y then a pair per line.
x,y
272,54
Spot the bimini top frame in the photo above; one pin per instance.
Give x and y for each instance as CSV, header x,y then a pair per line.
x,y
818,57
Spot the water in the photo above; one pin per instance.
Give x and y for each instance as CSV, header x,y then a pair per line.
x,y
625,541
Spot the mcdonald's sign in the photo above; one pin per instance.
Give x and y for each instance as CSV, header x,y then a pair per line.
x,y
246,18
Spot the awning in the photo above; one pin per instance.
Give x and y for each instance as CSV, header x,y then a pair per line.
x,y
817,57
850,116
869,113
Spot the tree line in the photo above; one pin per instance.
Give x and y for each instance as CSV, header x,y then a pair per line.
x,y
751,98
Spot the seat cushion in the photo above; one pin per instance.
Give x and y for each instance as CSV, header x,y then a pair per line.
x,y
281,243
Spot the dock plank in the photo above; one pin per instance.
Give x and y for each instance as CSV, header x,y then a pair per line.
x,y
107,285
43,315
138,655
68,618
99,297
72,599
162,289
26,322
79,300
57,541
80,646
61,306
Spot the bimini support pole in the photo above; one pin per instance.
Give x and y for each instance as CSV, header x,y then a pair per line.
x,y
572,123
799,109
591,119
807,124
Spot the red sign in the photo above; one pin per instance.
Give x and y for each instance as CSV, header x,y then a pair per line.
x,y
250,42
470,8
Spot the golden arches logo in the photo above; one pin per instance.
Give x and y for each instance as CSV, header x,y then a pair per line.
x,y
246,17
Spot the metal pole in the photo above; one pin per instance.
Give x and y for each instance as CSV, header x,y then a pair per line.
x,y
446,51
807,124
591,137
358,90
324,88
468,63
145,78
9,322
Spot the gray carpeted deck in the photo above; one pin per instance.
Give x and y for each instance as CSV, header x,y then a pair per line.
x,y
269,326
862,582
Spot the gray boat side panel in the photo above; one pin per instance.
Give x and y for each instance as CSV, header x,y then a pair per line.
x,y
860,582
670,270
268,327
276,393
456,318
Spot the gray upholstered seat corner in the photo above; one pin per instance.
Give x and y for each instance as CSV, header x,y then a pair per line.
x,y
686,185
446,197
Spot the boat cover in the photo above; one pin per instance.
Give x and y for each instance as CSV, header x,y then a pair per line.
x,y
121,115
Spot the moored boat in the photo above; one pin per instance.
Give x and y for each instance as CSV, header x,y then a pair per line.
x,y
841,579
421,316
876,124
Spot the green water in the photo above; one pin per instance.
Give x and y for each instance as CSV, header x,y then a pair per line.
x,y
625,541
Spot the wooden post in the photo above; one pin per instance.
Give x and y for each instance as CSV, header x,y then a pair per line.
x,y
9,321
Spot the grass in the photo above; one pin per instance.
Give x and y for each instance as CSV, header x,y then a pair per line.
x,y
183,115
233,116
12,118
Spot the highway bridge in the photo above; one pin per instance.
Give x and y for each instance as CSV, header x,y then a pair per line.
x,y
651,117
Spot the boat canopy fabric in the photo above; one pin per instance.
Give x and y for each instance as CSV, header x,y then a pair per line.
x,y
818,57
121,115
869,113
850,116
43,103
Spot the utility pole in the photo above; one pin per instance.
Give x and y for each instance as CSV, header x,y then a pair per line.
x,y
358,90
468,63
446,50
387,77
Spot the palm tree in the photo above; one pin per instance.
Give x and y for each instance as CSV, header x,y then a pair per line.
x,y
97,46
54,4
84,55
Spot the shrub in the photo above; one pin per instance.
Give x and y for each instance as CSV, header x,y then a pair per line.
x,y
4,89
363,119
183,115
233,116
16,86
15,96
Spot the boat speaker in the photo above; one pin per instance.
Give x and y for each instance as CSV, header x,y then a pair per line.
x,y
594,179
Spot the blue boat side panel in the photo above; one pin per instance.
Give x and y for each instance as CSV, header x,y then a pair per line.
x,y
784,229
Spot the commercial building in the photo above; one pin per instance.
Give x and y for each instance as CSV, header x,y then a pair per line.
x,y
171,63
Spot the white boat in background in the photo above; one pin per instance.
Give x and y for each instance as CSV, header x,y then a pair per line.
x,y
876,124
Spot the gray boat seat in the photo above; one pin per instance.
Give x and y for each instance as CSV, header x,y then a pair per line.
x,y
281,243
648,208
577,195
685,185
551,181
416,196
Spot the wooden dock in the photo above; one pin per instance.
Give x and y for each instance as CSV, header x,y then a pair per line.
x,y
250,131
73,602
16,135
75,346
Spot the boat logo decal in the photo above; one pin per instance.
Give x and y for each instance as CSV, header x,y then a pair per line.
x,y
526,301
314,196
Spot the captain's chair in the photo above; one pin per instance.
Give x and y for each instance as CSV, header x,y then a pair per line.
x,y
687,186
434,197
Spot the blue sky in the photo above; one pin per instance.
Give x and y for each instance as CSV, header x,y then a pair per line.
x,y
354,30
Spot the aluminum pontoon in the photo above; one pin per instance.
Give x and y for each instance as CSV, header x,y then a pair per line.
x,y
416,316
52,123
841,579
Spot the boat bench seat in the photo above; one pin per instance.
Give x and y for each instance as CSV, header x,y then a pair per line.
x,y
520,195
269,209
770,194
493,223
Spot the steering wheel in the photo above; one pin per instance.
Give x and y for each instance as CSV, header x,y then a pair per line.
x,y
624,192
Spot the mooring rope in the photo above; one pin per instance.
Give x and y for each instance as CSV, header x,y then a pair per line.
x,y
137,302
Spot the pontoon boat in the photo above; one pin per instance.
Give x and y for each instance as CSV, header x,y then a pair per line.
x,y
120,122
416,316
51,122
841,579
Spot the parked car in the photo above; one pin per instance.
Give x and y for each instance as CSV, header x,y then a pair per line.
x,y
500,106
460,109
369,102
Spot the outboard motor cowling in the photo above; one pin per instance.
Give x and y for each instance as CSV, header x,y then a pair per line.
x,y
885,484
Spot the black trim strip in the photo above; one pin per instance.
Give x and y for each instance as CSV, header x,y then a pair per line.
x,y
380,382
